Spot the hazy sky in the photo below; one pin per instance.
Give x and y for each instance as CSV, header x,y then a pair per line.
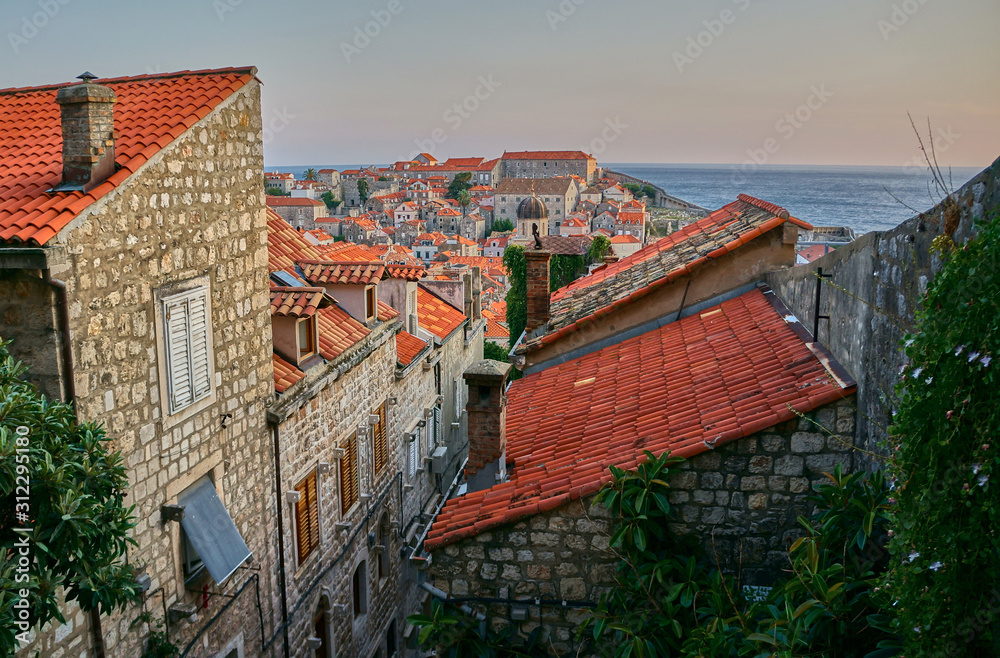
x,y
712,81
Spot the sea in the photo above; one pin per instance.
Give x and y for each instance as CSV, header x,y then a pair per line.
x,y
862,198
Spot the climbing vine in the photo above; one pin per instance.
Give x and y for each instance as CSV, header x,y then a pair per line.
x,y
946,459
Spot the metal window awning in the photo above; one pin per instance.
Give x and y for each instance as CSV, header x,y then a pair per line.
x,y
211,531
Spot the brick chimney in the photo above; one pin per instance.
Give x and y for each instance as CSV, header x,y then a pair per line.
x,y
538,288
88,132
487,423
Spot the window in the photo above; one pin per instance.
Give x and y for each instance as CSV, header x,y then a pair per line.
x,y
187,340
306,517
390,640
382,546
380,447
307,337
459,403
349,482
434,433
370,302
193,566
412,454
359,590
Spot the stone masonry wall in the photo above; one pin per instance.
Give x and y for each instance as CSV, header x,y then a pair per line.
x,y
28,320
741,502
195,211
873,295
322,412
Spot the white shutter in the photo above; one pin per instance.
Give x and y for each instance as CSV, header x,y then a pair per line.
x,y
178,353
434,436
458,398
187,326
414,455
200,371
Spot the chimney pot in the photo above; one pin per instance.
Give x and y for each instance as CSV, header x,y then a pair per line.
x,y
88,132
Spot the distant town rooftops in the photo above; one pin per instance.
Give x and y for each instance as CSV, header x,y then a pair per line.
x,y
546,155
282,201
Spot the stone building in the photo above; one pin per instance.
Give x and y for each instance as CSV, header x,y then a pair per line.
x,y
559,195
134,284
548,164
300,212
279,181
748,421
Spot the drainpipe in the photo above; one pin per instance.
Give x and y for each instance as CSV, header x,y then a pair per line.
x,y
62,310
69,395
281,536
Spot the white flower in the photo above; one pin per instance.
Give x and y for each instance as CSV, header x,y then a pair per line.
x,y
928,380
983,479
916,373
975,468
936,566
913,556
973,356
986,361
909,342
958,350
916,629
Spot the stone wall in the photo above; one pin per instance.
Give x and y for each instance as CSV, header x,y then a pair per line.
x,y
741,502
873,293
28,319
316,416
195,211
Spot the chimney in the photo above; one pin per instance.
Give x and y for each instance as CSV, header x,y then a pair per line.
x,y
88,132
610,258
538,288
487,423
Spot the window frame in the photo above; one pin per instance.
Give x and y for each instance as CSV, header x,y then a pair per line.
x,y
168,304
380,439
315,537
310,324
350,458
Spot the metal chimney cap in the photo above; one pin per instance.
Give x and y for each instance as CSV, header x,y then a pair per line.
x,y
86,76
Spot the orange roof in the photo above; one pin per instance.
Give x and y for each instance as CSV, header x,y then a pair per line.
x,y
656,264
632,217
812,252
496,330
546,155
436,315
297,302
281,201
627,238
338,331
386,312
408,347
342,272
151,112
408,272
320,234
689,386
285,374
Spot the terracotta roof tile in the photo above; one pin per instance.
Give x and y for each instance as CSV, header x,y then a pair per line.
x,y
282,201
734,370
546,155
408,347
436,315
152,111
386,312
408,272
496,330
297,302
658,263
341,272
285,374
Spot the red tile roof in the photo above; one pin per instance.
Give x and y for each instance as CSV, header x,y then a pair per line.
x,y
282,201
659,263
408,272
436,315
627,238
496,330
338,331
812,252
342,272
285,374
386,312
689,386
546,155
408,347
152,111
297,302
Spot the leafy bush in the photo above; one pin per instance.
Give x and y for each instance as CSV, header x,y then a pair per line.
x,y
946,459
78,525
495,352
517,295
457,635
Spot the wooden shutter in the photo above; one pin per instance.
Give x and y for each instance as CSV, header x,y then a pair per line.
x,y
434,438
380,447
349,485
413,455
178,353
307,517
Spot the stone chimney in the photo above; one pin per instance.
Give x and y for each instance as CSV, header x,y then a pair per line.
x,y
610,258
88,132
487,423
538,288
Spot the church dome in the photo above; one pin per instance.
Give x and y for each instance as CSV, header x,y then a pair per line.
x,y
532,208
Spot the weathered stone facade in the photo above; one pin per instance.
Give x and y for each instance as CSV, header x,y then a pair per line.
x,y
192,215
741,501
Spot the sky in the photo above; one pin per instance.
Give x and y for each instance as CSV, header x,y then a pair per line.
x,y
714,81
